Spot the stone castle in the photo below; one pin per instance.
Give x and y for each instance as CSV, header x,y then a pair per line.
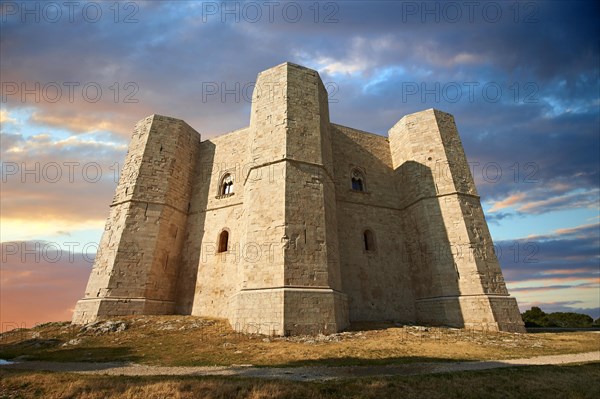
x,y
298,225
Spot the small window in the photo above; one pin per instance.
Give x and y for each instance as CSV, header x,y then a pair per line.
x,y
358,180
357,184
226,186
369,241
223,241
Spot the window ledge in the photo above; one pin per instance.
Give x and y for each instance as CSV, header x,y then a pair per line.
x,y
224,196
360,192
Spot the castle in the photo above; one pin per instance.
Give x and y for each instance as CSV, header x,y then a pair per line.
x,y
298,225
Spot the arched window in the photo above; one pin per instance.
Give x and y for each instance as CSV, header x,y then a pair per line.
x,y
226,186
369,240
223,241
358,180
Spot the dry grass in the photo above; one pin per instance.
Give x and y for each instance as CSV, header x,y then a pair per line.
x,y
575,381
188,340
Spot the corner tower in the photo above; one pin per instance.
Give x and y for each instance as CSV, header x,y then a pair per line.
x,y
135,269
455,274
290,208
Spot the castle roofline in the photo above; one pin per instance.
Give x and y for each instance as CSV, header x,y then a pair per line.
x,y
289,65
425,111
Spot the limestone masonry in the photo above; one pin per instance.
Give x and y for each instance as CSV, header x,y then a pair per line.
x,y
297,225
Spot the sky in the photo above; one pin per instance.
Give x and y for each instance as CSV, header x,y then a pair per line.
x,y
521,79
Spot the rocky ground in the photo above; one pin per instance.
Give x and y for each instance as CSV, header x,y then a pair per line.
x,y
194,341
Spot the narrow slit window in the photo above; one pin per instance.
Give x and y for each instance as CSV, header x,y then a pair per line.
x,y
223,241
369,240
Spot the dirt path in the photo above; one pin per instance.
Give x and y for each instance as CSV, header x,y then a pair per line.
x,y
301,373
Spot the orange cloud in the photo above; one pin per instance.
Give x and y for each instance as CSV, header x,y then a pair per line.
x,y
584,286
80,123
573,230
5,117
566,271
580,231
53,184
505,203
542,281
572,200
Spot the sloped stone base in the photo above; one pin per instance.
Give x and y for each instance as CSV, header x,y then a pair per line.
x,y
290,311
90,310
478,312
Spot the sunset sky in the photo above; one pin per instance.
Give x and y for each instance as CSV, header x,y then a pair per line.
x,y
521,79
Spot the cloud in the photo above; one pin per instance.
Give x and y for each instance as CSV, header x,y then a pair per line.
x,y
79,123
40,283
360,58
587,199
562,264
511,200
545,199
51,184
496,217
587,232
433,53
535,158
5,117
594,286
542,131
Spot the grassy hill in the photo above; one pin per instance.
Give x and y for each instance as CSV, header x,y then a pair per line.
x,y
188,340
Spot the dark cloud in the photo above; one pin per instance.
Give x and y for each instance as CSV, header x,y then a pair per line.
x,y
555,287
496,217
545,60
541,131
567,255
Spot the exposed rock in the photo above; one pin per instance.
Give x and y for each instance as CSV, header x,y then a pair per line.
x,y
104,327
74,341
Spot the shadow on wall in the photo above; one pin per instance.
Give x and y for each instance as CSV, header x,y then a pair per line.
x,y
420,284
194,234
433,271
411,277
375,279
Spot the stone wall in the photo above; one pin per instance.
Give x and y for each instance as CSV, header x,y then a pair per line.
x,y
296,259
135,270
378,282
456,273
208,278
